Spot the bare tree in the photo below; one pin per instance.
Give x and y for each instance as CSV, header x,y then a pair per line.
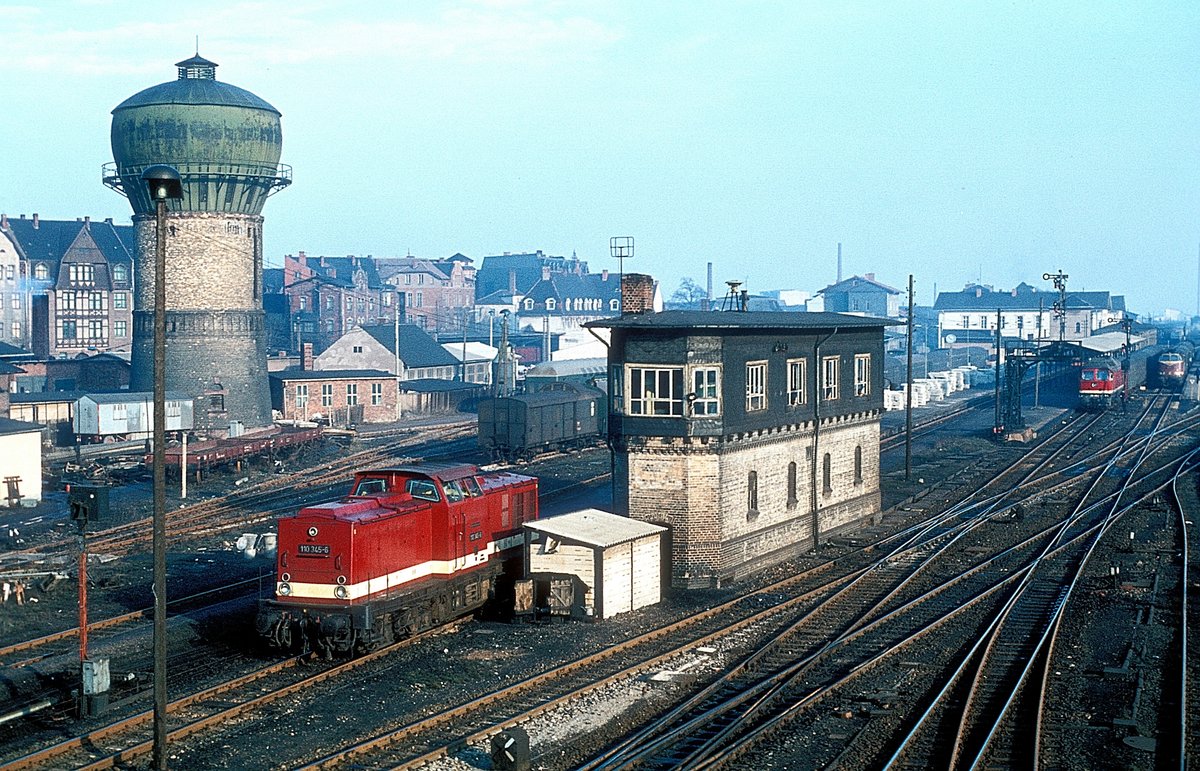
x,y
689,293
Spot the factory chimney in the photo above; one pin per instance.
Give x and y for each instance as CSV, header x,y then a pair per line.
x,y
839,267
707,304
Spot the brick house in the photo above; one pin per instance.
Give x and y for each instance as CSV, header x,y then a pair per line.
x,y
438,295
344,397
329,296
75,285
752,435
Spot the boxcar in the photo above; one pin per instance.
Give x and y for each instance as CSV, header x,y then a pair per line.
x,y
560,416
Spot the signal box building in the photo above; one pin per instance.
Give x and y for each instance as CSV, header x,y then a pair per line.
x,y
751,435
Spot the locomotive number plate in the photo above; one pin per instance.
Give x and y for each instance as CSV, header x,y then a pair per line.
x,y
313,549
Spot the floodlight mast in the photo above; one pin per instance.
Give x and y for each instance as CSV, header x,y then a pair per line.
x,y
164,185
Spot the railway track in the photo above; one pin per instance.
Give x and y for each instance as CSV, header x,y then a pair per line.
x,y
423,741
123,741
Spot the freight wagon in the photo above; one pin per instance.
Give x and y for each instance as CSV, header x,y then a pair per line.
x,y
560,416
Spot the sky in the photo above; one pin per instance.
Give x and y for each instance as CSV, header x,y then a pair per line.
x,y
956,141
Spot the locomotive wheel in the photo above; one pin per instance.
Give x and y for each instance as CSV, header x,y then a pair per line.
x,y
281,636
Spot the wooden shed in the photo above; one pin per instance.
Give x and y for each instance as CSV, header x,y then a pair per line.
x,y
614,563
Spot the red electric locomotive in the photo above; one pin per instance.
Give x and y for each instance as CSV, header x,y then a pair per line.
x,y
1101,384
408,548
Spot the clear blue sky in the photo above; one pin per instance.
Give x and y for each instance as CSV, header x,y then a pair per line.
x,y
954,140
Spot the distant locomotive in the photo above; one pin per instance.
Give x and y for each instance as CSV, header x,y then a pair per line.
x,y
1104,381
1172,366
560,416
408,548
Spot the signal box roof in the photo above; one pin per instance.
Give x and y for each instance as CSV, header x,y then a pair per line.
x,y
739,320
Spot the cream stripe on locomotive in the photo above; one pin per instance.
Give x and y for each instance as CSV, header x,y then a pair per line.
x,y
309,591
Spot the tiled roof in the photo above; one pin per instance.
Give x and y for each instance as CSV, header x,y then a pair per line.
x,y
417,348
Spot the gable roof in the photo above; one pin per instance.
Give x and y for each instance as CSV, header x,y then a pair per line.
x,y
49,240
342,269
855,283
417,348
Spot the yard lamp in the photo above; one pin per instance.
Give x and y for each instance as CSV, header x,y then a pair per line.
x,y
164,185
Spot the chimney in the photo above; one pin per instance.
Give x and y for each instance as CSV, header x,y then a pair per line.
x,y
306,357
512,280
637,293
870,277
706,303
108,220
36,224
604,275
4,221
87,222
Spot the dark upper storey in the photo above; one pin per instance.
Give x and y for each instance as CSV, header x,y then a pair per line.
x,y
697,373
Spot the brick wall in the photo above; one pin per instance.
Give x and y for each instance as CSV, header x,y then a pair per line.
x,y
216,334
700,490
284,399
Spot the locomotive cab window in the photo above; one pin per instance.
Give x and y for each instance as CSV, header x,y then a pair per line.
x,y
472,487
454,491
371,486
422,489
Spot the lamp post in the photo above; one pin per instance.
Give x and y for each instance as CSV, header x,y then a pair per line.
x,y
164,185
621,247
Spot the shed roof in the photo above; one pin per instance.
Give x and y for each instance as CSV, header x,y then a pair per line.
x,y
1110,342
8,426
120,397
594,527
331,374
431,385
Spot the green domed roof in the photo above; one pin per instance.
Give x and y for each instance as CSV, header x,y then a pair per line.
x,y
224,141
196,84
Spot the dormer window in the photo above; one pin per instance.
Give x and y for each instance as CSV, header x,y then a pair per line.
x,y
550,304
120,273
41,272
528,304
614,305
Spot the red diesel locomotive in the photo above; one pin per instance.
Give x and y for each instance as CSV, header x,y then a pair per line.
x,y
408,548
1101,384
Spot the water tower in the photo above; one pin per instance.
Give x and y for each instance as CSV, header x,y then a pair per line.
x,y
225,143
